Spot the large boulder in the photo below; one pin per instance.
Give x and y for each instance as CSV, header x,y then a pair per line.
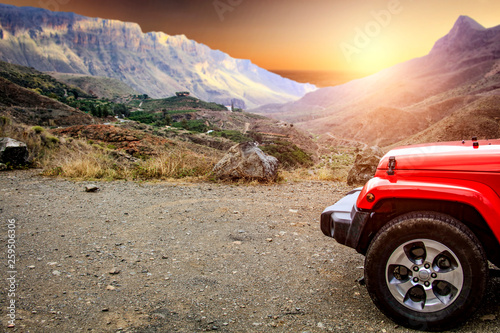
x,y
365,165
247,161
13,152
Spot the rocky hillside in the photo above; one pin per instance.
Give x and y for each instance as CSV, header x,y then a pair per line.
x,y
455,87
152,127
26,106
102,87
152,63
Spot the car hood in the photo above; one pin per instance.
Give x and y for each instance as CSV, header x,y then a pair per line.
x,y
465,156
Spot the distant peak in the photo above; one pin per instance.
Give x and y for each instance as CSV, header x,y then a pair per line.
x,y
465,22
463,36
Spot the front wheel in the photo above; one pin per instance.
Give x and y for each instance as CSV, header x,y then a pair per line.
x,y
426,271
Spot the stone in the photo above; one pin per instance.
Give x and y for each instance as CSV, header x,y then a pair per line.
x,y
114,271
247,161
13,152
365,166
91,188
489,317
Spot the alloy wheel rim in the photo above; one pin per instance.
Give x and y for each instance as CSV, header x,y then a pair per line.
x,y
424,275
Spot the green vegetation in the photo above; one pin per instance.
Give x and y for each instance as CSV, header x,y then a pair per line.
x,y
232,135
174,103
145,117
157,119
289,155
46,85
161,112
338,160
39,82
196,125
38,129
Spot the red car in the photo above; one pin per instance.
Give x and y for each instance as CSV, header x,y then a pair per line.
x,y
427,223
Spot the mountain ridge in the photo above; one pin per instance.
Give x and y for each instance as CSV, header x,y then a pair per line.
x,y
465,62
153,63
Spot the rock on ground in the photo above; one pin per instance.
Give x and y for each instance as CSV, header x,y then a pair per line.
x,y
13,152
247,161
365,166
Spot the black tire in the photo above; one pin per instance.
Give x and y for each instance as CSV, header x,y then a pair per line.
x,y
447,278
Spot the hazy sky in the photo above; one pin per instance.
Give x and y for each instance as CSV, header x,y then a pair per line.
x,y
356,35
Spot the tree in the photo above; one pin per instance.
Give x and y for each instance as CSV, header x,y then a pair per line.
x,y
93,110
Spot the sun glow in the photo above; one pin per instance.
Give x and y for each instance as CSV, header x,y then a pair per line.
x,y
373,59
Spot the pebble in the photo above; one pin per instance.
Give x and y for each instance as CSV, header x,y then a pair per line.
x,y
114,271
489,317
91,188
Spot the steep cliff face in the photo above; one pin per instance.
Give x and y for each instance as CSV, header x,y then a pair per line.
x,y
153,63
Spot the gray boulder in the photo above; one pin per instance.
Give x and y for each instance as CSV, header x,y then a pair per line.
x,y
247,161
13,152
365,165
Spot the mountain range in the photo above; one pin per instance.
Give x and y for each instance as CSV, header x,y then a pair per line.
x,y
453,93
152,63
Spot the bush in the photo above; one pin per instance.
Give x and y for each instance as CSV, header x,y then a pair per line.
x,y
38,129
235,136
5,121
196,125
289,155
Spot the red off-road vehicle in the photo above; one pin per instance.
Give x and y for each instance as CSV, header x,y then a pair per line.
x,y
428,223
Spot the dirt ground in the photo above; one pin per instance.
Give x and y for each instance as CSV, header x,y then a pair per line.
x,y
168,257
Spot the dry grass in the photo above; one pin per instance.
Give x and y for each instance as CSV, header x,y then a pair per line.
x,y
333,166
177,163
94,162
39,143
79,159
322,174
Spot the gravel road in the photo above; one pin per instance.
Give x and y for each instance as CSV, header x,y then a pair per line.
x,y
167,257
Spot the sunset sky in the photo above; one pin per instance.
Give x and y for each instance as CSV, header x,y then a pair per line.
x,y
357,35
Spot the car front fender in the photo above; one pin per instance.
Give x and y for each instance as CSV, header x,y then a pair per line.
x,y
477,195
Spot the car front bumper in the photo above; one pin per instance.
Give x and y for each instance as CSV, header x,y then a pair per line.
x,y
343,221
